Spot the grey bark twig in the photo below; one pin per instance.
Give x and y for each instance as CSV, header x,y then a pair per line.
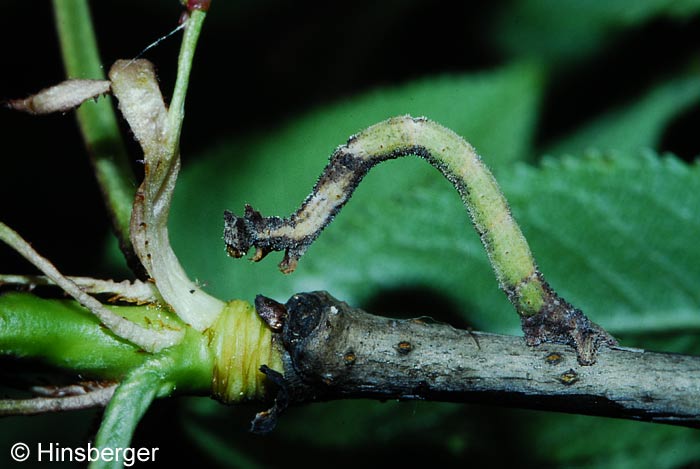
x,y
333,351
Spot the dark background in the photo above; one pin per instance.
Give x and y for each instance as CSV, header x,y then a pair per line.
x,y
258,65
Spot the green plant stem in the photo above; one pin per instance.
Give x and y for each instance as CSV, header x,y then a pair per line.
x,y
61,333
223,361
97,120
176,112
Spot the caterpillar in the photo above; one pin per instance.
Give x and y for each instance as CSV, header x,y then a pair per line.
x,y
545,315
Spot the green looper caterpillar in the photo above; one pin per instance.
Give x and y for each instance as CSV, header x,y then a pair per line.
x,y
545,316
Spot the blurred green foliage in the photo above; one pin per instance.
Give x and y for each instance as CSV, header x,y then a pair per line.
x,y
574,104
557,31
610,220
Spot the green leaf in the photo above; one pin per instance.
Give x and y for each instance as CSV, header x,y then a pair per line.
x,y
638,125
614,234
129,403
219,448
556,30
360,422
274,172
610,443
396,431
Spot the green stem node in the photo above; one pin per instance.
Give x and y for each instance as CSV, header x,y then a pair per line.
x,y
241,343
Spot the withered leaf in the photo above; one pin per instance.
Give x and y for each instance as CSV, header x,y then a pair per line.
x,y
62,97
